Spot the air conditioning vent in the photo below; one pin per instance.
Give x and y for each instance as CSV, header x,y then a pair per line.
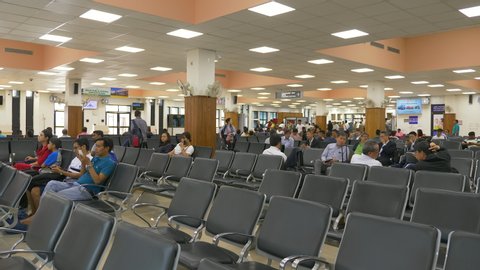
x,y
220,75
394,50
377,44
19,51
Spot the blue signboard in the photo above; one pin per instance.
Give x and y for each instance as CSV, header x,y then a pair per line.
x,y
413,120
409,106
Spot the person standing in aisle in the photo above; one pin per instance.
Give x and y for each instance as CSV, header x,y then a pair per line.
x,y
138,129
456,129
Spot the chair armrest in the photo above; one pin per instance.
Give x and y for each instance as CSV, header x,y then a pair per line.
x,y
110,192
337,221
241,172
196,232
95,185
244,252
170,181
24,233
49,254
157,220
318,262
6,211
287,260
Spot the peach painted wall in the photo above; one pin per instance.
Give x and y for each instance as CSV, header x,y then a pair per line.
x,y
206,10
472,84
21,61
57,56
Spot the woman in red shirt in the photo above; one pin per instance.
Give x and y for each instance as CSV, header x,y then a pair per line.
x,y
42,153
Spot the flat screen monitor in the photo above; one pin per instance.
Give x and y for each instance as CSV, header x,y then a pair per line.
x,y
137,106
409,106
176,120
90,105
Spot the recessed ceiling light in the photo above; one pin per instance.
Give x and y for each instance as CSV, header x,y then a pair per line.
x,y
350,34
43,91
129,49
234,90
363,86
15,82
285,99
149,97
54,89
346,101
477,78
100,16
305,76
61,68
328,99
388,88
423,95
261,69
1,68
47,73
295,85
91,60
339,82
181,95
257,88
301,101
127,75
264,49
351,105
320,61
162,96
161,68
271,9
5,86
394,77
361,70
262,97
172,90
260,105
469,93
132,86
460,71
393,96
184,33
471,11
406,92
239,95
420,82
157,83
359,98
295,103
336,104
435,85
107,79
264,93
276,102
454,90
97,83
55,38
177,99
324,89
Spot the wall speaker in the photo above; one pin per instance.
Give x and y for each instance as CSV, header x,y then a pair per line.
x,y
470,99
1,100
75,88
235,99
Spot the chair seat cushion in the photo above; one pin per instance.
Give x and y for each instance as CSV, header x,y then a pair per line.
x,y
15,263
192,254
143,181
100,205
158,188
172,234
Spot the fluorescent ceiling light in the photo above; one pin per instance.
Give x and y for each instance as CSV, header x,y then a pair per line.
x,y
350,34
285,99
276,102
469,93
129,49
337,104
477,78
261,69
423,95
47,73
361,70
15,82
161,68
5,86
363,86
264,93
1,68
264,49
127,75
358,98
435,85
237,95
271,9
107,79
388,88
324,89
420,82
305,76
157,83
346,101
97,83
162,96
63,68
177,99
406,92
320,61
394,77
454,90
460,71
351,105
91,60
301,101
339,82
132,86
393,96
328,99
234,90
43,91
471,11
100,16
257,88
172,90
184,33
55,38
262,97
295,103
182,95
295,85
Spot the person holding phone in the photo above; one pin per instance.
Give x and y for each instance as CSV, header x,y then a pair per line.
x,y
184,147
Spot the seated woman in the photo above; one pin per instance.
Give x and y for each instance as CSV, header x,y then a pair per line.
x,y
32,163
184,147
165,146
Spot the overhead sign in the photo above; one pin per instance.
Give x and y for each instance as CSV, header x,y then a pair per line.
x,y
119,92
101,92
413,120
289,94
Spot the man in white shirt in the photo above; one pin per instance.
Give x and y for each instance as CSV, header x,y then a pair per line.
x,y
299,124
287,140
369,155
275,146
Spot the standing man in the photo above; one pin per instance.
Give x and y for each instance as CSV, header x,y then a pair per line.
x,y
228,133
456,129
138,128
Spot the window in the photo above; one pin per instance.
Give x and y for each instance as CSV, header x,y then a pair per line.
x,y
263,117
273,115
220,118
59,118
118,119
176,110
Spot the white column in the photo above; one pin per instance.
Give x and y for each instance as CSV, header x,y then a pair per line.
x,y
321,108
376,94
200,70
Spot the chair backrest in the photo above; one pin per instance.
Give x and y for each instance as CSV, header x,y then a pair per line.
x,y
157,164
451,145
256,148
462,251
119,151
115,139
244,162
144,157
93,228
67,143
6,175
390,176
224,160
463,165
447,210
152,143
123,178
48,222
178,166
379,243
437,180
378,199
67,157
130,156
325,189
241,146
265,162
22,149
310,155
4,150
352,172
137,248
15,189
235,210
202,152
285,232
455,153
280,183
192,198
203,169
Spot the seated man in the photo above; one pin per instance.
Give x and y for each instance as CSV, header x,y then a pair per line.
x,y
387,150
275,146
369,154
431,158
335,152
471,140
287,139
97,134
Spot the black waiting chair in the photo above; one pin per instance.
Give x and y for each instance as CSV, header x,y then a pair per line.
x,y
256,148
241,146
153,143
4,151
187,209
352,172
465,166
6,175
144,158
454,153
67,144
119,151
202,152
225,159
436,180
155,169
232,219
308,157
280,183
284,234
451,145
203,169
10,199
241,167
131,155
21,149
462,251
390,176
264,162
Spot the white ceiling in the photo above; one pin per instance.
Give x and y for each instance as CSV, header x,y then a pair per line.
x,y
298,35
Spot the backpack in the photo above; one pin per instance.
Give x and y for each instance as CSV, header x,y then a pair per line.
x,y
136,135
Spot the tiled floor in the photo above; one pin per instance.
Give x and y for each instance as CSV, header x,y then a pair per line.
x,y
328,252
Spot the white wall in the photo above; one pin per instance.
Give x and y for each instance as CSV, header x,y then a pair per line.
x,y
467,114
6,112
424,121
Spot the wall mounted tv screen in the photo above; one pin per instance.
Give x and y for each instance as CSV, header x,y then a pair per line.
x,y
176,120
90,105
409,106
137,106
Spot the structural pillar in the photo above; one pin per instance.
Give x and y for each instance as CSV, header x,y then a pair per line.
x,y
200,109
73,106
375,110
321,115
